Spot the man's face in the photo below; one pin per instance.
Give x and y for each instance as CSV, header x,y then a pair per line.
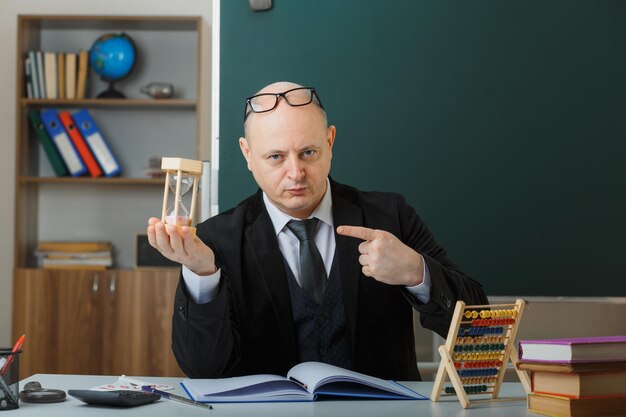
x,y
288,151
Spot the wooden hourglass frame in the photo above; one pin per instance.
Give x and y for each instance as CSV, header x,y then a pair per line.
x,y
479,345
180,167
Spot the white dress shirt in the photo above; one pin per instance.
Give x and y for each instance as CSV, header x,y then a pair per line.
x,y
203,289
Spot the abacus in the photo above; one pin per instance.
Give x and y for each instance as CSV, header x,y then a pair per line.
x,y
477,350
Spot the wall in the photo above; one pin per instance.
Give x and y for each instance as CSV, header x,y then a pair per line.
x,y
9,9
501,122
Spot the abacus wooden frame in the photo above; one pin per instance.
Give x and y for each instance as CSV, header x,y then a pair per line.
x,y
446,365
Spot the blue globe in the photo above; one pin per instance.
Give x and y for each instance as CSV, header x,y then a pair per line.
x,y
112,56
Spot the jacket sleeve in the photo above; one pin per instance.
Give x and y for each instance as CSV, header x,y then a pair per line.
x,y
448,282
204,338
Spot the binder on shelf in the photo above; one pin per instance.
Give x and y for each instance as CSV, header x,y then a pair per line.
x,y
59,136
46,142
61,75
97,143
83,64
80,144
50,70
70,75
40,74
32,61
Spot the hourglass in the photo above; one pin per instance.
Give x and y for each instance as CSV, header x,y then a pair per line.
x,y
181,175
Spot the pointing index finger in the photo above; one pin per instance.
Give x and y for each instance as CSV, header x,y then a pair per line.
x,y
358,232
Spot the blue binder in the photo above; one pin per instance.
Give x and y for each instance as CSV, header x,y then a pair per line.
x,y
55,129
97,143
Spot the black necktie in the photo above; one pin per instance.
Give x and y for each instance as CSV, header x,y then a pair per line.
x,y
312,270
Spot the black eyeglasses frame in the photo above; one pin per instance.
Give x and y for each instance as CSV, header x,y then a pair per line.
x,y
314,97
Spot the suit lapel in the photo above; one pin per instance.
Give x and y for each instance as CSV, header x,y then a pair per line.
x,y
347,249
263,245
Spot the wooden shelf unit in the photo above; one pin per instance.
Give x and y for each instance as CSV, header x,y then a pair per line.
x,y
119,320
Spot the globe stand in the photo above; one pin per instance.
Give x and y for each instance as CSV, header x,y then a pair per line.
x,y
111,92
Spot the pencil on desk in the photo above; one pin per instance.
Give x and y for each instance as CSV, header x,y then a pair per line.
x,y
175,397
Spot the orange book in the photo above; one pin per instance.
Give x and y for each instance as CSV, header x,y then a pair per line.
x,y
580,385
80,144
557,406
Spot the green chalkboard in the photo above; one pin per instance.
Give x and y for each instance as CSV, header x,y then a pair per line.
x,y
502,122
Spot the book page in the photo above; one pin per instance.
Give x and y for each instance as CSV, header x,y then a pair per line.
x,y
316,374
223,385
245,388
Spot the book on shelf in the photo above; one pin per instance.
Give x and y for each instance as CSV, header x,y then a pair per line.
x,y
28,78
304,382
74,246
83,65
80,144
86,255
77,267
40,74
70,75
61,75
581,349
73,255
103,262
32,63
97,143
55,129
559,406
50,71
47,144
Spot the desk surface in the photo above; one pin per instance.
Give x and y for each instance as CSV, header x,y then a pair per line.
x,y
512,403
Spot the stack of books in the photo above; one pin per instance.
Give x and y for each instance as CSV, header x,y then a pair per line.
x,y
576,377
75,255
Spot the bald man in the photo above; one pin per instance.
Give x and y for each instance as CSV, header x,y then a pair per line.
x,y
306,268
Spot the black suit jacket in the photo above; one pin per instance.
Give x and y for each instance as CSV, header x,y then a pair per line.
x,y
248,328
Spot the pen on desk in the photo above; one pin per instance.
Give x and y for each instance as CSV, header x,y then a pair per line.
x,y
16,347
175,397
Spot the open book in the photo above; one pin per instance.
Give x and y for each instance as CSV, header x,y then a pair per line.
x,y
304,382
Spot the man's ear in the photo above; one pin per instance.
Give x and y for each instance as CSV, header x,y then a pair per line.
x,y
245,150
330,138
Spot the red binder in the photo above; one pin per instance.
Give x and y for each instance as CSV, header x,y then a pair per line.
x,y
80,144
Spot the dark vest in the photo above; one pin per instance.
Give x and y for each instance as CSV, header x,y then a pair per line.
x,y
320,330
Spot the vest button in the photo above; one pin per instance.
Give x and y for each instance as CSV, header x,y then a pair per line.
x,y
323,351
321,319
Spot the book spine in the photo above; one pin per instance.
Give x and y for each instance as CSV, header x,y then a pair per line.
x,y
61,75
28,79
40,75
83,64
70,76
32,60
50,65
